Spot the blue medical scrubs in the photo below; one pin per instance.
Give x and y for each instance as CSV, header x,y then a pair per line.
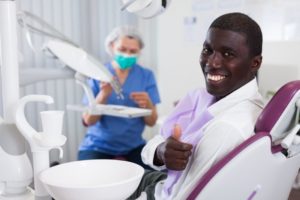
x,y
117,135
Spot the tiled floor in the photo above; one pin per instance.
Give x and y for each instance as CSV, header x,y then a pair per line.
x,y
295,195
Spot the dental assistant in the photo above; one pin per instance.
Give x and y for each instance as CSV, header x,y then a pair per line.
x,y
107,136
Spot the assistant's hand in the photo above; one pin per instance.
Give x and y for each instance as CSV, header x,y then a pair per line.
x,y
142,99
105,92
101,98
173,153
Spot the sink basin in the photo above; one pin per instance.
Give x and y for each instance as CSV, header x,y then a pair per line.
x,y
92,180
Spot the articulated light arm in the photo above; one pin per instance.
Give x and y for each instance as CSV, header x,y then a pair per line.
x,y
146,8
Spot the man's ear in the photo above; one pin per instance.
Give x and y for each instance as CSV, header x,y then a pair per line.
x,y
256,62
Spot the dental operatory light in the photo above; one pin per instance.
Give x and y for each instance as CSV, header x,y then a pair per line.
x,y
146,8
63,48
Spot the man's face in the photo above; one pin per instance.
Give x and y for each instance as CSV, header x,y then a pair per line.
x,y
226,62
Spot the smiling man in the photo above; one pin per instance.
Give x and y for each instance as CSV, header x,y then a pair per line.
x,y
208,123
229,64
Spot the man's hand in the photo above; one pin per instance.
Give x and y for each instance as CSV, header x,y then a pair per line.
x,y
173,153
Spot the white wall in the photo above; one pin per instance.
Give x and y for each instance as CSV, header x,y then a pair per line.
x,y
280,65
182,29
178,67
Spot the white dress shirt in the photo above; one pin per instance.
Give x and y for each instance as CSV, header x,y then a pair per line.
x,y
234,118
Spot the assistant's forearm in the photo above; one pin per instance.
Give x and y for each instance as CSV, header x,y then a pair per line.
x,y
92,119
151,119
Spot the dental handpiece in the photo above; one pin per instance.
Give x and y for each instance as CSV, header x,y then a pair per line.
x,y
117,88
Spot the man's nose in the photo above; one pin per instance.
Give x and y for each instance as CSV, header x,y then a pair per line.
x,y
214,60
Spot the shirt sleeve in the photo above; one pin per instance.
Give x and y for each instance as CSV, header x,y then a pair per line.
x,y
94,85
148,152
218,140
151,89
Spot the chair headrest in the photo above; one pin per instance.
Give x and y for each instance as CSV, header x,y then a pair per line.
x,y
276,117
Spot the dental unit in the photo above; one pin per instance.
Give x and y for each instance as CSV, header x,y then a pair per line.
x,y
16,172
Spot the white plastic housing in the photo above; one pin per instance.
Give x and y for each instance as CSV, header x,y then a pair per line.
x,y
15,173
257,173
147,8
9,59
77,59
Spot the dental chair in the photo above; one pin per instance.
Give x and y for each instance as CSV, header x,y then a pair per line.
x,y
264,166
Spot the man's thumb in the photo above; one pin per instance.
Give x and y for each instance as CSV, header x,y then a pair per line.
x,y
176,132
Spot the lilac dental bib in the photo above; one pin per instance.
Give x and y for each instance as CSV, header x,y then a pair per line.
x,y
191,115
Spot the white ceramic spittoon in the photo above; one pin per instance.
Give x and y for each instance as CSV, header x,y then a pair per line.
x,y
92,180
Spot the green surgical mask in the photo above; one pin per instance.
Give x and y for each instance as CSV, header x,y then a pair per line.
x,y
125,61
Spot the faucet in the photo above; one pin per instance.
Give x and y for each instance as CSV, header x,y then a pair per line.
x,y
41,142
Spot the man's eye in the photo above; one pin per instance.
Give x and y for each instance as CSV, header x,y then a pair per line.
x,y
205,51
228,54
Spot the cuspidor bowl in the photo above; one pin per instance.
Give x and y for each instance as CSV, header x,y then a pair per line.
x,y
92,180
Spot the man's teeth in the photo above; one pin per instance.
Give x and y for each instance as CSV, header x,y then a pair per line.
x,y
215,77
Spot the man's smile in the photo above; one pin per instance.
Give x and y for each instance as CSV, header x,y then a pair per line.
x,y
215,78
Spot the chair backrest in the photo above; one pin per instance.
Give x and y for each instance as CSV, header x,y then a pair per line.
x,y
272,123
280,110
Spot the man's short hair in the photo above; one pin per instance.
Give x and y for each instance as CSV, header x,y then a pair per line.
x,y
241,23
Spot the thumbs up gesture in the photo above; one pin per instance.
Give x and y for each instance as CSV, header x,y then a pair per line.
x,y
173,153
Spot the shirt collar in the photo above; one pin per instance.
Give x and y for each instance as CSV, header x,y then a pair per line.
x,y
248,91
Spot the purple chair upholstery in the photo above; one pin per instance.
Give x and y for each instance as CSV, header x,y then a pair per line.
x,y
276,106
266,121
